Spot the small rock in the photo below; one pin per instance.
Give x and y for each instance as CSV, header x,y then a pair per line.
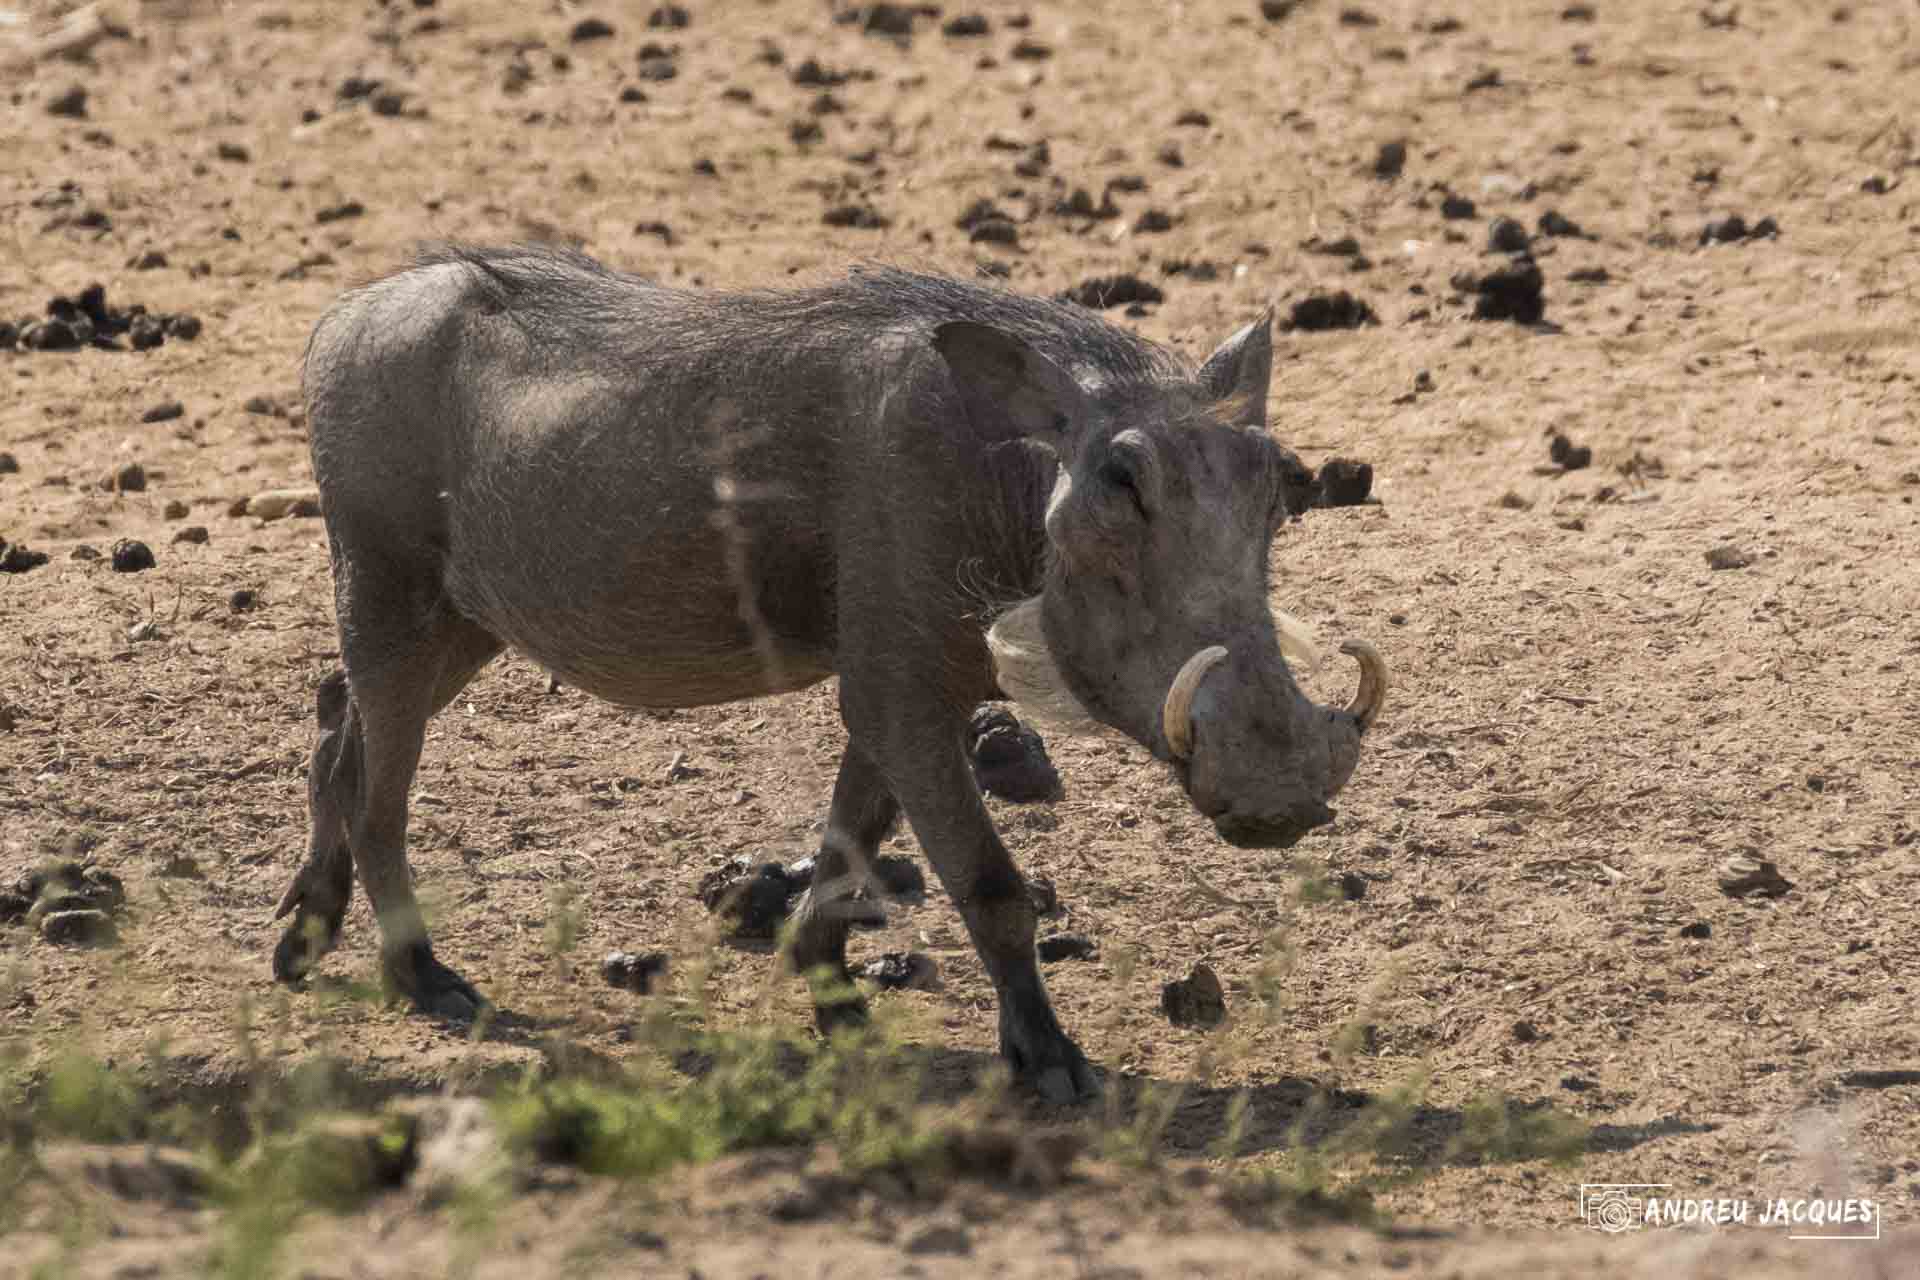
x,y
632,971
1698,929
275,503
175,510
245,600
1066,946
669,17
183,326
1505,235
590,29
1353,886
1343,482
1525,1032
947,1238
84,551
1567,454
1153,221
142,632
1553,224
1727,556
901,970
131,478
132,556
1456,208
1742,876
966,24
1390,160
1196,1000
1324,311
81,928
70,103
339,212
146,333
193,533
165,411
862,216
9,465
1029,50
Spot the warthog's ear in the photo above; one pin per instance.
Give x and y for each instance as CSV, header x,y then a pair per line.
x,y
1241,371
1009,389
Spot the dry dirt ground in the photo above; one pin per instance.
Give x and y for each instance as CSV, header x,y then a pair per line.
x,y
1588,718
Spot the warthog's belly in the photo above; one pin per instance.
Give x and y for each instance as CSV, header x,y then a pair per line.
x,y
677,681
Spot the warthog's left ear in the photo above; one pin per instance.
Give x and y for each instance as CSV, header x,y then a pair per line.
x,y
1008,388
1241,371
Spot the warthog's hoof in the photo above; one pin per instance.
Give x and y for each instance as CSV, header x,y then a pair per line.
x,y
1050,1062
309,937
414,972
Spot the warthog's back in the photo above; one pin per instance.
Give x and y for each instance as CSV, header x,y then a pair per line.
x,y
649,490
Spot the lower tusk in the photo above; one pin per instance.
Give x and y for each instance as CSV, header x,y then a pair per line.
x,y
1366,704
1176,714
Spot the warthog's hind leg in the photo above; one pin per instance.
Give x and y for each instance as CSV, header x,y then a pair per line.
x,y
319,894
864,813
407,655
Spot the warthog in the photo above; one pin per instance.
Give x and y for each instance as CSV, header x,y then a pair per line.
x,y
676,499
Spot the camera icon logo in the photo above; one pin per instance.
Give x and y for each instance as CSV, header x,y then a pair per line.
x,y
1615,1206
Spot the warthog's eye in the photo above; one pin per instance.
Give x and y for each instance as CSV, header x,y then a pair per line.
x,y
1117,474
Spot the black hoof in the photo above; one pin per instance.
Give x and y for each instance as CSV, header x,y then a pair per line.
x,y
1044,1058
434,989
302,944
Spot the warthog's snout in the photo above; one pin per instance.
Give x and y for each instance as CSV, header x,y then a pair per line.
x,y
1308,752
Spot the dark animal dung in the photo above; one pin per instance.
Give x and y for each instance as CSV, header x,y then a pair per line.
x,y
1343,482
1010,759
1324,311
633,971
1196,1000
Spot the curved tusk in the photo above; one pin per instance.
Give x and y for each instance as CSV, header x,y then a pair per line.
x,y
1176,714
1366,704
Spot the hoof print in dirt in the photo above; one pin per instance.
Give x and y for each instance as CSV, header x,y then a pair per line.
x,y
751,899
1196,1000
1343,482
1565,453
1514,292
130,555
902,970
1324,311
1102,292
1734,229
632,970
1746,877
1066,946
1010,759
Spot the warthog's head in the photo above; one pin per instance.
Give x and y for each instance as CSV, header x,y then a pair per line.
x,y
1154,618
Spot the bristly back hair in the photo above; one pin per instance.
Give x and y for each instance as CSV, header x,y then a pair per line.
x,y
541,282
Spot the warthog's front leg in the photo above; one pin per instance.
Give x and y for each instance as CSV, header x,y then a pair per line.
x,y
864,813
936,788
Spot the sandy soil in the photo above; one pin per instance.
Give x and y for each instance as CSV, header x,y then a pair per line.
x,y
1589,718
